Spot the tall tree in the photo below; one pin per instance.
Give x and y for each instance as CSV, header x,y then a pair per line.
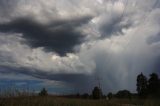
x,y
43,92
153,84
142,85
110,95
97,93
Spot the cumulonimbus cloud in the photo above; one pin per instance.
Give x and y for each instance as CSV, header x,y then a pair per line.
x,y
115,40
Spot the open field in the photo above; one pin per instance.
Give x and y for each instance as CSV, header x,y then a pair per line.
x,y
60,101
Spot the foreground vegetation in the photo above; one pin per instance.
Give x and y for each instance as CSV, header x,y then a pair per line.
x,y
148,94
62,101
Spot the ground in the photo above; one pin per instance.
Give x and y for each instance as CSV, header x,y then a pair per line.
x,y
61,101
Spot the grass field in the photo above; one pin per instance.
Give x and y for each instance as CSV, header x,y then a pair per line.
x,y
60,101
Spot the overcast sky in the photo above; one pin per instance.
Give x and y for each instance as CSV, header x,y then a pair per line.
x,y
65,45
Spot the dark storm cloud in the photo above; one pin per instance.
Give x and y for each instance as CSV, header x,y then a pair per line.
x,y
6,6
157,4
80,82
154,39
113,27
69,78
109,29
59,36
157,65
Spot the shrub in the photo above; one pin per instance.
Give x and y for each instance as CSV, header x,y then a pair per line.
x,y
43,92
123,94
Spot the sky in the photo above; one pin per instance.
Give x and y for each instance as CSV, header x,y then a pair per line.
x,y
70,46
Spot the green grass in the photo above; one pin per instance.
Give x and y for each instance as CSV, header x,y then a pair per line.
x,y
60,101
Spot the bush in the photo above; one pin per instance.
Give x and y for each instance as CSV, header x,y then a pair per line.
x,y
43,92
123,94
110,95
85,96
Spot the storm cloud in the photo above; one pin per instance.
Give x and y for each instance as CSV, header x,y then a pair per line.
x,y
60,36
76,41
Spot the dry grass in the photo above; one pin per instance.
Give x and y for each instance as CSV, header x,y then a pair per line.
x,y
60,101
50,101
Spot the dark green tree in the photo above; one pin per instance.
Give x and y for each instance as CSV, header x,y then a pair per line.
x,y
153,85
85,96
43,92
123,94
142,85
97,93
159,89
110,95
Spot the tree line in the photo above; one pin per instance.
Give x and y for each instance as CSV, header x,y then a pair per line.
x,y
146,87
